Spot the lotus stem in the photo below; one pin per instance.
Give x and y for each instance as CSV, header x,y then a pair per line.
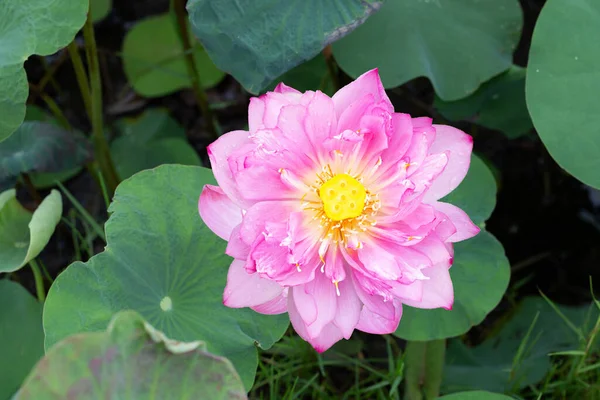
x,y
331,67
39,281
190,62
424,366
81,76
101,149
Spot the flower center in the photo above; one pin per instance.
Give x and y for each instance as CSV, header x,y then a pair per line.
x,y
343,197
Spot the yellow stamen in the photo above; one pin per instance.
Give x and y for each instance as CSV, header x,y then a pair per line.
x,y
356,208
343,197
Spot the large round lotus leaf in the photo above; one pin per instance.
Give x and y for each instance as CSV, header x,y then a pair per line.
x,y
131,360
498,104
563,82
457,44
42,147
162,261
21,336
154,61
149,141
480,276
24,235
476,395
476,194
492,366
30,27
256,41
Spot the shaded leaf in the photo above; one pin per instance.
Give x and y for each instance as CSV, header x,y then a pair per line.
x,y
492,365
498,104
310,75
154,62
45,180
42,147
100,9
35,113
148,141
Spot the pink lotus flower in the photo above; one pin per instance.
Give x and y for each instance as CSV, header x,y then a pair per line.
x,y
330,209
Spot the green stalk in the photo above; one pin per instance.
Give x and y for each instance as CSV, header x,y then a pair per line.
x,y
435,357
49,75
190,62
424,363
56,111
39,281
101,149
331,67
51,79
81,76
414,363
85,215
104,190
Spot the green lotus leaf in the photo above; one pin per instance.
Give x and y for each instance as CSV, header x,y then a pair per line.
x,y
310,75
42,147
24,235
457,44
154,61
21,335
476,194
148,141
563,81
131,360
480,272
498,104
476,395
256,41
163,262
30,27
480,276
100,9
